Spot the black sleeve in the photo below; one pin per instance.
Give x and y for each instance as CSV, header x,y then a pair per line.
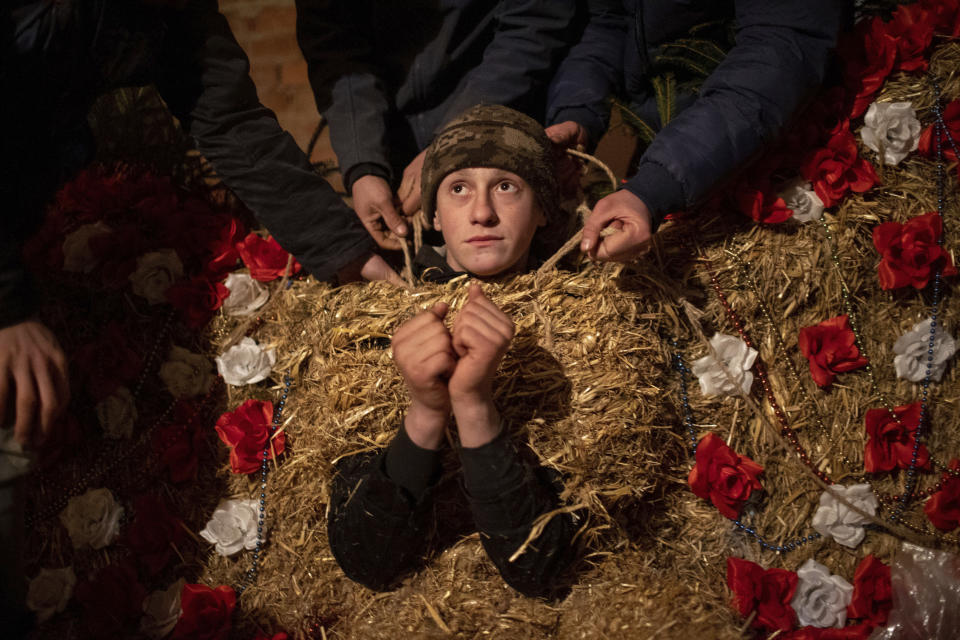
x,y
377,525
205,80
507,497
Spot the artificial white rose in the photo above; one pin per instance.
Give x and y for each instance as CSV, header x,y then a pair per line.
x,y
77,256
246,295
838,521
233,526
735,358
912,347
117,414
155,272
246,363
799,196
821,598
186,374
161,610
892,126
92,519
50,592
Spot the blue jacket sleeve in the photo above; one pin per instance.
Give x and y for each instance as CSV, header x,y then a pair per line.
x,y
779,58
591,72
205,81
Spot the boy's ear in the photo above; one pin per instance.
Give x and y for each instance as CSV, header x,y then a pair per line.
x,y
436,222
541,217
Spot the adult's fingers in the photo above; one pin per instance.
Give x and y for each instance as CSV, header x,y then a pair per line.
x,y
376,268
47,400
391,218
566,134
622,247
383,239
592,228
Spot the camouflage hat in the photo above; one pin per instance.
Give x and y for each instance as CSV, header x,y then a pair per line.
x,y
493,136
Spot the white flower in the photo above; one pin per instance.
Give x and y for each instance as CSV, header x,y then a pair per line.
x,y
117,414
92,519
161,610
77,256
821,599
912,347
736,358
840,522
233,526
892,126
246,295
246,363
156,271
50,592
186,374
798,194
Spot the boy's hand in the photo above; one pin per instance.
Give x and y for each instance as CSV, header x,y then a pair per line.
x,y
481,335
424,354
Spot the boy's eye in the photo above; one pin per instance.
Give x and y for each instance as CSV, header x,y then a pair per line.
x,y
506,187
457,188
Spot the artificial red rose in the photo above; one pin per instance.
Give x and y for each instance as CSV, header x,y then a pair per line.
x,y
912,28
852,632
928,146
246,430
837,168
872,592
768,592
153,533
867,54
116,254
93,194
221,251
831,348
822,119
177,445
276,636
945,16
197,299
910,253
890,444
265,258
943,507
111,601
206,613
761,202
107,363
723,477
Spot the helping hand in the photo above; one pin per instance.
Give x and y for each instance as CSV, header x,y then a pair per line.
x,y
628,214
409,191
373,201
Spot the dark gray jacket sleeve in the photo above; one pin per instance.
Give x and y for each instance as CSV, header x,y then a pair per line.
x,y
205,81
778,60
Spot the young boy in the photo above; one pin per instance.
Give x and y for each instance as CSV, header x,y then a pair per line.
x,y
488,181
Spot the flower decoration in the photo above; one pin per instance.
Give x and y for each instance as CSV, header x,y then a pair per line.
x,y
730,374
246,363
821,598
154,533
92,519
186,374
197,299
867,53
246,430
891,129
836,520
265,258
911,27
768,592
723,477
799,196
246,295
161,610
831,348
910,253
107,363
154,274
850,632
77,255
890,443
206,613
837,168
233,526
50,591
759,201
912,347
951,118
872,592
177,445
111,601
943,507
117,414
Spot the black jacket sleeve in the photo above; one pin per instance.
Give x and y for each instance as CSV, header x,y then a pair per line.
x,y
205,80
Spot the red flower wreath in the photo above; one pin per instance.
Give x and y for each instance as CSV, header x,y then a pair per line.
x,y
872,592
890,444
943,507
912,29
927,146
831,348
246,430
768,592
206,613
910,253
265,258
837,168
723,477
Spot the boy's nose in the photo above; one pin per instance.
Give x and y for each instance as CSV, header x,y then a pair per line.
x,y
482,211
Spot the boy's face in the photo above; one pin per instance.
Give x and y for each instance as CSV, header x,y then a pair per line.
x,y
488,218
